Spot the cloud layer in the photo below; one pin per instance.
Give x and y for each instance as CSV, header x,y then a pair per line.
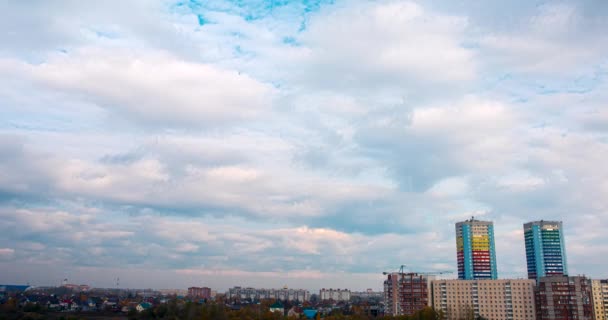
x,y
315,145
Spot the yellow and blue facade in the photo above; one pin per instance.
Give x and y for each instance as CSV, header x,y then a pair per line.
x,y
475,250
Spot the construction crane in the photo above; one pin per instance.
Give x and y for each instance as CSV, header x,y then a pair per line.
x,y
402,271
407,292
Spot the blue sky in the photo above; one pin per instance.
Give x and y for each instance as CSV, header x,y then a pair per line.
x,y
302,143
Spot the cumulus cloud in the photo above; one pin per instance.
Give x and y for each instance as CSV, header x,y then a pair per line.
x,y
399,46
294,146
6,253
442,141
154,89
556,39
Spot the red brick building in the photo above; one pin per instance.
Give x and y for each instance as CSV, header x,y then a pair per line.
x,y
406,293
564,298
200,293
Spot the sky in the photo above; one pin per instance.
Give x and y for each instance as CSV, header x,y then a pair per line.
x,y
309,143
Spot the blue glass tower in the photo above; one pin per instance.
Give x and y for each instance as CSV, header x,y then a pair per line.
x,y
545,249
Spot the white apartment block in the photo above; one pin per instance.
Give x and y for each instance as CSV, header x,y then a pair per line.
x,y
491,299
368,294
599,290
261,294
334,294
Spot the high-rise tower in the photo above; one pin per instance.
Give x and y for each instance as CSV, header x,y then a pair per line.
x,y
475,249
545,249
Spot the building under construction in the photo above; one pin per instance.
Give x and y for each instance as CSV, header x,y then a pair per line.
x,y
405,293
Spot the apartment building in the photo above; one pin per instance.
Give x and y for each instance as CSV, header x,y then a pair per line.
x,y
255,294
545,249
406,293
475,250
334,295
491,299
599,289
367,294
199,292
563,297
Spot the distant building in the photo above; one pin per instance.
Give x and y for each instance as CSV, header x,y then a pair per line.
x,y
406,293
491,299
177,292
564,297
260,294
599,290
199,292
367,294
334,295
6,288
475,250
545,249
77,287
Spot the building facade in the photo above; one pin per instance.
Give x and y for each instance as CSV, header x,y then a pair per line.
x,y
599,290
475,250
545,249
406,293
564,298
199,292
334,295
367,294
491,299
254,294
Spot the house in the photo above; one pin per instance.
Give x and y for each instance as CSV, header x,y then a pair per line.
x,y
143,306
277,306
310,313
294,312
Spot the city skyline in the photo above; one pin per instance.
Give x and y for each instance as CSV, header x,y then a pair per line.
x,y
309,143
473,235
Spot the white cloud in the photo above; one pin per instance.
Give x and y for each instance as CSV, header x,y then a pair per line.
x,y
256,149
464,119
520,182
153,88
453,186
186,247
396,45
6,253
556,40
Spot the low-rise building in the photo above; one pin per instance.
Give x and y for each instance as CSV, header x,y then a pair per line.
x,y
277,307
491,299
143,306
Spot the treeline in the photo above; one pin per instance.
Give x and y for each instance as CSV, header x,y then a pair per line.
x,y
212,311
181,310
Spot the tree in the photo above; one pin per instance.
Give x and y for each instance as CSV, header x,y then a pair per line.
x,y
466,313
